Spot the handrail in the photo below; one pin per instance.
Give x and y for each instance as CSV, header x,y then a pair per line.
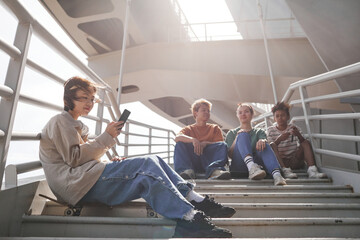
x,y
5,91
350,93
337,137
12,171
9,49
329,116
337,73
17,136
338,154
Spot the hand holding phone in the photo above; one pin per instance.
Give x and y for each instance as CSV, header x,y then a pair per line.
x,y
124,116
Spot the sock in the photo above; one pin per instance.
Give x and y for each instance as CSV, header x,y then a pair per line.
x,y
192,195
276,172
313,168
190,215
249,161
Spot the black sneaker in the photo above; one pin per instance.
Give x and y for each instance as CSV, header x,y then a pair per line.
x,y
200,227
213,209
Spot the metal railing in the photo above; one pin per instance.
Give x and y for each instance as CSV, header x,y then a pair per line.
x,y
300,86
203,31
10,98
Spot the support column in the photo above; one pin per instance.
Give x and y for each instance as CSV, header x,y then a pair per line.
x,y
123,49
267,51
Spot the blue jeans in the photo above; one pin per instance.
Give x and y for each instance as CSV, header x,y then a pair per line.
x,y
214,157
265,158
142,177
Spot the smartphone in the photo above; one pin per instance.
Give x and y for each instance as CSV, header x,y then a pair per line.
x,y
124,116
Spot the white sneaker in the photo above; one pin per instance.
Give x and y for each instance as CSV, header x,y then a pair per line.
x,y
220,174
256,173
314,173
279,180
287,173
188,174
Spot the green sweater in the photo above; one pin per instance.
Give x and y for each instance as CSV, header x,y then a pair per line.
x,y
255,135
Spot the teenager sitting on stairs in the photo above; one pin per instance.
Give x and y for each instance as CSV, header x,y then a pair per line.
x,y
249,150
291,148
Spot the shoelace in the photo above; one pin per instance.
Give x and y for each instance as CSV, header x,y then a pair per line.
x,y
205,219
212,201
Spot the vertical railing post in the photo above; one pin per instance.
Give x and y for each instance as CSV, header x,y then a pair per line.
x,y
13,80
126,143
205,32
168,133
266,123
150,140
11,178
100,112
307,112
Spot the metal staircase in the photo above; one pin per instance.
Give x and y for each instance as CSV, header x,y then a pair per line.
x,y
305,208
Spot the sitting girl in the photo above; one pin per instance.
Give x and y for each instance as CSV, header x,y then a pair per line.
x,y
248,148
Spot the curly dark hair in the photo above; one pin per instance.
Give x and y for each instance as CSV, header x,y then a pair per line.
x,y
281,106
71,86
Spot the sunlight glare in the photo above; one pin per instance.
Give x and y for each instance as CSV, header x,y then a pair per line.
x,y
210,19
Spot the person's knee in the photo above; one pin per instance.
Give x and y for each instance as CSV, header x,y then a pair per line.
x,y
181,145
222,146
151,159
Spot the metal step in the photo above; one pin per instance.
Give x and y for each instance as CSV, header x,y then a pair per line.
x,y
71,238
264,182
295,210
133,209
243,210
221,188
50,226
285,197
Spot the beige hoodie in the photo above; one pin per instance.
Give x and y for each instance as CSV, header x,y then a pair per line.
x,y
71,166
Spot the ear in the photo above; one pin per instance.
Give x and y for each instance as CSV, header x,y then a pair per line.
x,y
196,114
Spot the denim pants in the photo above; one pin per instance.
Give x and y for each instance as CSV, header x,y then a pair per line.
x,y
214,157
265,158
142,177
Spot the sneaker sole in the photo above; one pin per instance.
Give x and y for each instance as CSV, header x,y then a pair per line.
x,y
223,176
227,215
259,176
203,234
293,177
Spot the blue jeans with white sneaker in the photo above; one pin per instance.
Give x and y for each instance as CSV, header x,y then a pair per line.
x,y
143,177
214,157
265,158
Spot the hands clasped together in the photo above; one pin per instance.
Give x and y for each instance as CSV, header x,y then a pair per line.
x,y
198,146
294,131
